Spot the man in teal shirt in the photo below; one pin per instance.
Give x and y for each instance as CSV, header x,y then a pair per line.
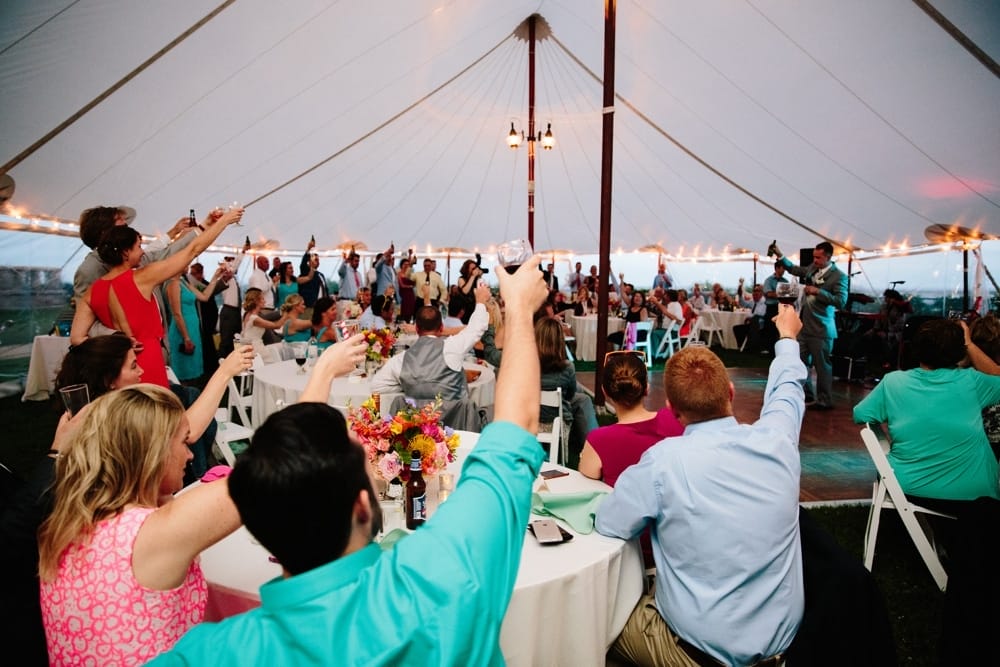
x,y
303,489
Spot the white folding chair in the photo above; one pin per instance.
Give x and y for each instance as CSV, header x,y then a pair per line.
x,y
645,345
888,494
671,341
226,434
273,353
693,334
557,437
709,325
241,398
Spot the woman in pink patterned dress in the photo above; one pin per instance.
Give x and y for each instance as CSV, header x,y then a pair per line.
x,y
119,578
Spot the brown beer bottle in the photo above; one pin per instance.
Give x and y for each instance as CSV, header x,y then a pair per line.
x,y
416,495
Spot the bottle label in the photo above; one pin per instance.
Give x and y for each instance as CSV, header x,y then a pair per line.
x,y
420,507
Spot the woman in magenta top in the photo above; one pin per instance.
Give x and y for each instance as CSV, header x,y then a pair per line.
x,y
611,449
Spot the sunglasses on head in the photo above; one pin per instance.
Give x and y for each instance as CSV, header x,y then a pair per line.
x,y
641,354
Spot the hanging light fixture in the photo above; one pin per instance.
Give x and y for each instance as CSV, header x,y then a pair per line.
x,y
514,139
548,141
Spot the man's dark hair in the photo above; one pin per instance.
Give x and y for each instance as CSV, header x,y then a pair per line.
x,y
455,308
826,247
95,222
939,344
427,319
296,484
115,242
779,265
672,294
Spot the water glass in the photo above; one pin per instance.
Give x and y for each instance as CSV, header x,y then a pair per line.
x,y
75,396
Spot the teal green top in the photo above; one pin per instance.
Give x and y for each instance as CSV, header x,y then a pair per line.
x,y
320,343
284,290
436,598
939,447
297,337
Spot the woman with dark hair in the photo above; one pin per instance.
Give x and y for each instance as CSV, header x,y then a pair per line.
x,y
465,286
288,284
123,298
557,371
407,288
939,449
323,316
635,313
611,449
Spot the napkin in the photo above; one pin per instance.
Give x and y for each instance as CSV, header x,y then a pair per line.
x,y
576,509
393,536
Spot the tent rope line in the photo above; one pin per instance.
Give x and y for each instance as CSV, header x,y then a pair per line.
x,y
697,158
959,37
58,129
870,108
38,27
380,126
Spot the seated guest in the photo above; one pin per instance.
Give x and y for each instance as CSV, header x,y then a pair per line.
x,y
433,364
558,372
297,329
103,363
339,589
372,317
492,339
722,501
697,299
559,303
985,333
611,449
636,312
584,304
324,314
753,328
456,310
690,314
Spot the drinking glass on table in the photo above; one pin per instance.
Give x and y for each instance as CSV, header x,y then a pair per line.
x,y
299,351
75,396
513,254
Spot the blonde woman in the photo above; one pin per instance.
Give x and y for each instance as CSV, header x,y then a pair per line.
x,y
297,329
119,581
253,324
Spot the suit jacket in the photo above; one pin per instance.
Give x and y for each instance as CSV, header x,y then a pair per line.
x,y
818,311
551,280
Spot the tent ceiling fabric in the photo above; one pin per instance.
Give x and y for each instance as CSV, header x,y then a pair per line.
x,y
863,121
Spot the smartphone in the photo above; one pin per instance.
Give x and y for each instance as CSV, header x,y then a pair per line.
x,y
547,531
552,474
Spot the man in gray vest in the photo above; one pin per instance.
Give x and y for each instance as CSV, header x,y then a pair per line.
x,y
433,364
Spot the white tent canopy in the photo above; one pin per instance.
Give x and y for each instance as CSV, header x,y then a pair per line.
x,y
860,121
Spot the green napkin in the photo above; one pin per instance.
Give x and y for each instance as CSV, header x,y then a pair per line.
x,y
393,536
576,509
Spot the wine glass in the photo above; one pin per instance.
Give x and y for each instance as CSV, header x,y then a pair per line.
x,y
512,254
787,293
300,351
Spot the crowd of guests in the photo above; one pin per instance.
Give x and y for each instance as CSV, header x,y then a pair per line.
x,y
102,551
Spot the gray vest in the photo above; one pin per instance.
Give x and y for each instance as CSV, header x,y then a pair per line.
x,y
425,374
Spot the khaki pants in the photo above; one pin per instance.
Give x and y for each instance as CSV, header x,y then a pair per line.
x,y
647,640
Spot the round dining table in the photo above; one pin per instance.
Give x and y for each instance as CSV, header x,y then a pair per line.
x,y
724,321
585,331
281,381
570,600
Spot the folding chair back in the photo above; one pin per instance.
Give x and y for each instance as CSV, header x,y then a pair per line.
x,y
241,398
557,437
888,494
671,341
646,342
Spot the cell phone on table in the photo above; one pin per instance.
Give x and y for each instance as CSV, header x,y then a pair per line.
x,y
552,474
547,531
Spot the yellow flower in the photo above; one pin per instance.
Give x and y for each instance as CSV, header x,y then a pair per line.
x,y
395,427
424,444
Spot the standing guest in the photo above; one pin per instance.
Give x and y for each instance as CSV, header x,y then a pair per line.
x,y
123,298
184,333
407,293
208,314
95,223
661,279
437,292
574,280
825,292
230,319
385,272
332,578
550,278
592,280
771,300
312,282
288,283
260,280
722,502
465,286
275,267
350,282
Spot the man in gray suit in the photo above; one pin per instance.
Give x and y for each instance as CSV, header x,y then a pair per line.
x,y
824,291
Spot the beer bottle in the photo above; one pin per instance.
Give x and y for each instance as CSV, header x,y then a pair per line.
x,y
312,239
192,221
416,495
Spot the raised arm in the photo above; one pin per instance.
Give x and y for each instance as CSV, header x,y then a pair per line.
x,y
202,411
148,277
518,393
205,294
338,359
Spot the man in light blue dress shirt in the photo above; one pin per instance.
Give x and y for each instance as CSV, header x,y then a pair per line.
x,y
438,597
722,500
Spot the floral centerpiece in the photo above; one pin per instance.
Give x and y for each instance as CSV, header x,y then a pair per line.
x,y
380,342
353,310
389,440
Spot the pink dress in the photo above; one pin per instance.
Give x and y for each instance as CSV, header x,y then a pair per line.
x,y
96,613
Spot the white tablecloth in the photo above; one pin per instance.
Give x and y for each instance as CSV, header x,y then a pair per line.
x,y
570,601
282,381
47,353
725,321
585,332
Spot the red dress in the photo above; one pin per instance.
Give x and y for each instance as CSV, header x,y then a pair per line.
x,y
143,318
